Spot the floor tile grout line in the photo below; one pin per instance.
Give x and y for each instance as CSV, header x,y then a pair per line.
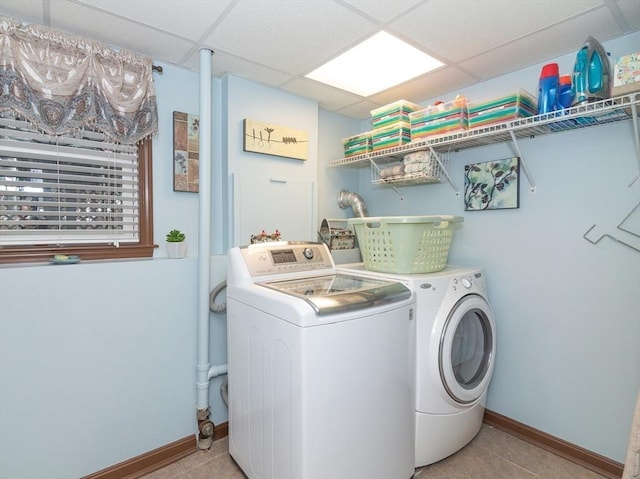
x,y
519,466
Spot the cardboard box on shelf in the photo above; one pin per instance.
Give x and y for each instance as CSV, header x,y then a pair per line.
x,y
626,77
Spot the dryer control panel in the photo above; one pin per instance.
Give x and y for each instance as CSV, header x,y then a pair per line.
x,y
266,259
466,281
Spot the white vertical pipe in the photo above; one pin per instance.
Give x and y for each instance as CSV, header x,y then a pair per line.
x,y
204,231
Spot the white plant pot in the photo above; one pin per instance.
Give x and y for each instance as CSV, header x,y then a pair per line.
x,y
177,250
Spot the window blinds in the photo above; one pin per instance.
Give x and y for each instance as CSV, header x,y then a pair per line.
x,y
57,190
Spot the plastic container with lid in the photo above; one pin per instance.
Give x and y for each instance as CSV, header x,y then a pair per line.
x,y
496,110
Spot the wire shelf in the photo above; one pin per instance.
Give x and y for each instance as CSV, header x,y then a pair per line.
x,y
602,112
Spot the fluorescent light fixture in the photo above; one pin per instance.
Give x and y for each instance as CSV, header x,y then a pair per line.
x,y
374,65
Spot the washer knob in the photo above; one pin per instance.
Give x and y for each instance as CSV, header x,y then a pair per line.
x,y
307,253
466,283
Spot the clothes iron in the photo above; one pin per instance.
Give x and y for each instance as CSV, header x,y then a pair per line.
x,y
591,73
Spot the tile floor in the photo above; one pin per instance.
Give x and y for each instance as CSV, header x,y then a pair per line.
x,y
493,454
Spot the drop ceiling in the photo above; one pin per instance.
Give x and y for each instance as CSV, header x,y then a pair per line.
x,y
277,42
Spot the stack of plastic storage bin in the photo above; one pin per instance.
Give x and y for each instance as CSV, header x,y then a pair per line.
x,y
498,110
357,145
391,124
440,119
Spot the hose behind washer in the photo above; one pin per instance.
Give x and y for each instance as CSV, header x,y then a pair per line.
x,y
220,308
217,308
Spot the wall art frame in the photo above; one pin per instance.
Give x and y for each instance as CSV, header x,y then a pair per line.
x,y
186,157
270,139
492,185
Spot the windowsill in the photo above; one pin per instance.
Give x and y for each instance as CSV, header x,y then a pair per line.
x,y
42,255
82,262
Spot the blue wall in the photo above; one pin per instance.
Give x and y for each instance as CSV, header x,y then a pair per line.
x,y
97,360
96,364
567,312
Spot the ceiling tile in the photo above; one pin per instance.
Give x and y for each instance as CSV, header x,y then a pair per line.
x,y
29,12
383,10
631,11
476,26
361,110
198,16
294,36
224,63
538,49
327,97
164,46
432,85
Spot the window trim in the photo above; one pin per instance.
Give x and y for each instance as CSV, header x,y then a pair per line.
x,y
143,249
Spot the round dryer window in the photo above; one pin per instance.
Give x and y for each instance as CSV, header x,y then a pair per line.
x,y
467,349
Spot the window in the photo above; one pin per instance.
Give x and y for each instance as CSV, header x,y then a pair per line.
x,y
76,118
79,194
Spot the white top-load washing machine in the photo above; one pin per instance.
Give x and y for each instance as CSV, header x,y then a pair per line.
x,y
455,354
321,367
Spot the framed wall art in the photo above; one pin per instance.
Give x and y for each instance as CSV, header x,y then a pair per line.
x,y
269,139
186,137
492,185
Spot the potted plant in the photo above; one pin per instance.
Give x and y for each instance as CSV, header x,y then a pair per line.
x,y
176,246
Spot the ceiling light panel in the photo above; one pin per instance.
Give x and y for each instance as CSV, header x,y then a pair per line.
x,y
375,65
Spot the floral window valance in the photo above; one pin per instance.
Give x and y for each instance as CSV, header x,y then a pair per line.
x,y
61,82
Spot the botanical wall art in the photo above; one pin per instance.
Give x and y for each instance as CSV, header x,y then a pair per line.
x,y
186,136
260,137
492,185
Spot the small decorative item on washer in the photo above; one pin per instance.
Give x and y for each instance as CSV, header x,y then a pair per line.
x,y
263,237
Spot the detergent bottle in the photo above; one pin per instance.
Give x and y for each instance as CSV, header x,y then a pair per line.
x,y
548,88
591,73
565,95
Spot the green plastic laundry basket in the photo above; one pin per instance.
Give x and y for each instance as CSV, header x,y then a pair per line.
x,y
405,244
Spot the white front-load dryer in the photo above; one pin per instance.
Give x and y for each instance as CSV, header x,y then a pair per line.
x,y
455,355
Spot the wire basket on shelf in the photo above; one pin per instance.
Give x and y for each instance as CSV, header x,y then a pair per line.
x,y
419,167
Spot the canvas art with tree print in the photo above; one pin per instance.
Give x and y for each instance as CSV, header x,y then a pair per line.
x,y
492,185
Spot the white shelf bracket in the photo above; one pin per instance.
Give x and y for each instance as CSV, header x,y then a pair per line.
x,y
527,173
636,137
444,171
398,193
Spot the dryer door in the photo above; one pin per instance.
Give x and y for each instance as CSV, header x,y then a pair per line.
x,y
467,349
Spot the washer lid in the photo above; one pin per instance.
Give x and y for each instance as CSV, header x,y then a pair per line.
x,y
340,292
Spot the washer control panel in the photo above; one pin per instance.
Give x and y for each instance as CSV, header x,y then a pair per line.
x,y
265,259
